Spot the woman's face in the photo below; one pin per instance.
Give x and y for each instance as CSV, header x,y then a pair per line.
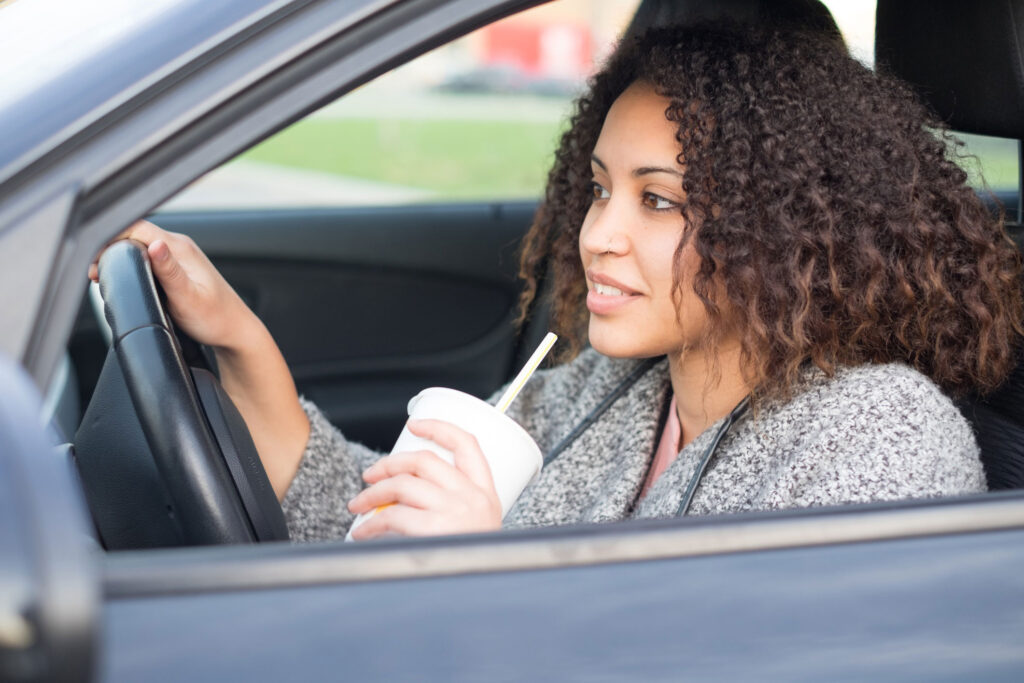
x,y
631,231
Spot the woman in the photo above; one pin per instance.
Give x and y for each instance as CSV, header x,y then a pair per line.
x,y
735,217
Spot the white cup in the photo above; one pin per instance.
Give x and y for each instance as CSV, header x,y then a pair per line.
x,y
512,454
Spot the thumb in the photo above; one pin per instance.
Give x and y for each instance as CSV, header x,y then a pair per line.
x,y
168,270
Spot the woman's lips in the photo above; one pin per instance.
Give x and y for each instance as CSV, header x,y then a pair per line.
x,y
607,294
603,304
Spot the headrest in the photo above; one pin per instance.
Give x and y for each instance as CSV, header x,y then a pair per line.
x,y
797,14
964,57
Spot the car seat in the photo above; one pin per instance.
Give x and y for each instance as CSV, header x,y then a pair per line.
x,y
808,15
966,61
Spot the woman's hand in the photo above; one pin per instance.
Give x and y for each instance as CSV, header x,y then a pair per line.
x,y
199,299
426,496
252,369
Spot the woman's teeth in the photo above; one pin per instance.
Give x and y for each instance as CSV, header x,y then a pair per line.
x,y
608,290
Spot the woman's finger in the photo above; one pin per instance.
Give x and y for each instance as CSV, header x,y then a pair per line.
x,y
397,519
124,234
146,232
403,488
169,272
424,464
469,459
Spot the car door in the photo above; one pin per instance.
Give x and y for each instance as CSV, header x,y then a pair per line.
x,y
885,592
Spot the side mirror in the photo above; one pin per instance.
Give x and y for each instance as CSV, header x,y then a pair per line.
x,y
49,563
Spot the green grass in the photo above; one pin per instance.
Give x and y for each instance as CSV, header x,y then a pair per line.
x,y
997,161
484,159
455,159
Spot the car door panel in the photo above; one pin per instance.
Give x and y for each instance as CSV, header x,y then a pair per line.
x,y
369,306
860,611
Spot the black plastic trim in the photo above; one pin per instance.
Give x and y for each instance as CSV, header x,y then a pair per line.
x,y
241,458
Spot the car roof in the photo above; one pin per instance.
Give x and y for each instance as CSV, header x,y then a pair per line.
x,y
67,62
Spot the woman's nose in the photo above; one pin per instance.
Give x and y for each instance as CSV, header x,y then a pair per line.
x,y
606,232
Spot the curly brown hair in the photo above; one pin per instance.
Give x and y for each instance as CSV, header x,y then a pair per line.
x,y
824,201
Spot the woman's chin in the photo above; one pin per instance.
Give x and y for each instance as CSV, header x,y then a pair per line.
x,y
615,345
625,339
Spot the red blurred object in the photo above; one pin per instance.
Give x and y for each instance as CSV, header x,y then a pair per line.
x,y
560,50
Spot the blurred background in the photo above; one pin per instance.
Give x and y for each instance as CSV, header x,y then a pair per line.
x,y
475,120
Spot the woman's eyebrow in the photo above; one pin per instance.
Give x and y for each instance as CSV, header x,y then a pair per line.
x,y
643,170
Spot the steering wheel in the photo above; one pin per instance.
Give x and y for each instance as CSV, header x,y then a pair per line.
x,y
205,483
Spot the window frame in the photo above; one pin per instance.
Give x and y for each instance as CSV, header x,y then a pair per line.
x,y
124,179
154,573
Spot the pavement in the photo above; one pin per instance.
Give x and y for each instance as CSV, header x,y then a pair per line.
x,y
247,184
376,103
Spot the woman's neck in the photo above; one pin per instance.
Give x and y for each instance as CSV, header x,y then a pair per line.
x,y
701,399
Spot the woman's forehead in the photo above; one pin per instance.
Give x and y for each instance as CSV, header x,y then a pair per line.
x,y
636,132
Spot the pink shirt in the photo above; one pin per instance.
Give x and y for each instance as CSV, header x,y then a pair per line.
x,y
668,447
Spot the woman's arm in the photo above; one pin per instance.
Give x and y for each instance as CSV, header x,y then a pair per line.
x,y
257,379
328,477
252,369
314,470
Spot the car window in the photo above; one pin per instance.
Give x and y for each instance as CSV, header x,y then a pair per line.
x,y
476,119
991,163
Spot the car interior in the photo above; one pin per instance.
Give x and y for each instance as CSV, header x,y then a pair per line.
x,y
372,304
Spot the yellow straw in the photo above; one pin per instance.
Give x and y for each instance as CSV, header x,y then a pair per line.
x,y
531,365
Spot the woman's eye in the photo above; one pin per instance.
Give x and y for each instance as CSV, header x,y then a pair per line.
x,y
658,203
598,192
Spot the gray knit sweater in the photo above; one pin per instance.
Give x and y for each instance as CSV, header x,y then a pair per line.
x,y
874,432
